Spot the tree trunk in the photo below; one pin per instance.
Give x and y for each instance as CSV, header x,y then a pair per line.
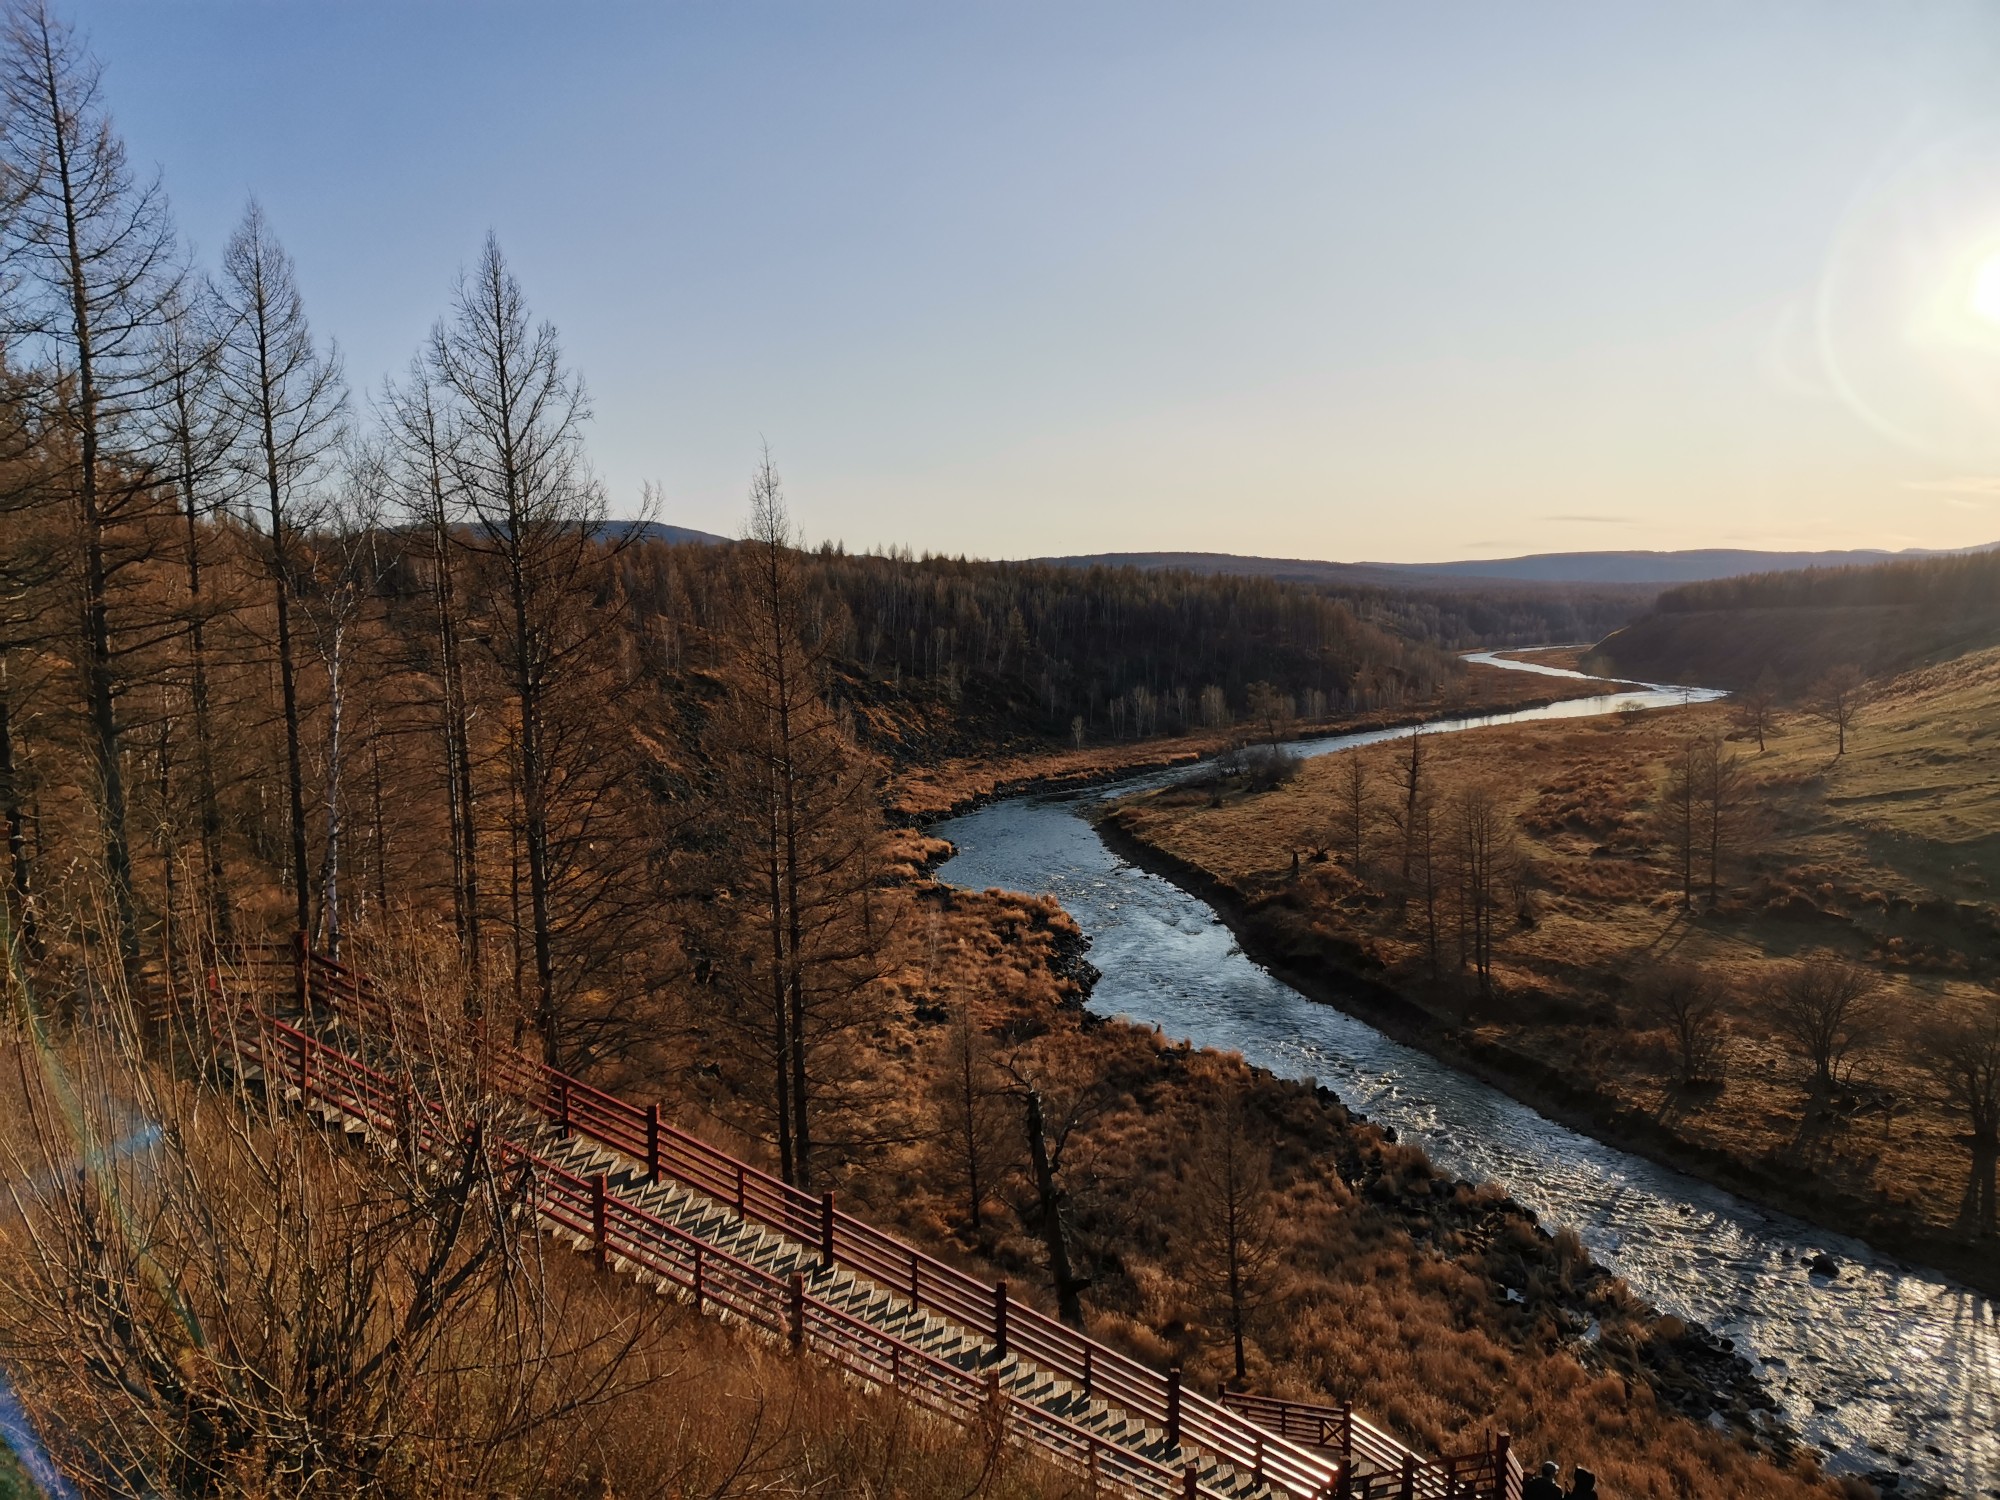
x,y
17,842
1049,1206
215,888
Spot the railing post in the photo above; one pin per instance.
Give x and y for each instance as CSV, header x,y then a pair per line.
x,y
1174,1407
305,1071
1093,1466
652,1143
1191,1483
996,1400
302,971
1000,1319
562,1105
1500,1445
1087,1348
1257,1459
826,1229
916,1267
741,1206
1347,1429
797,1289
1343,1480
697,1276
1409,1489
600,1215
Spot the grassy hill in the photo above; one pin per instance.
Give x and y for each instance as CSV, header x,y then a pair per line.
x,y
1884,619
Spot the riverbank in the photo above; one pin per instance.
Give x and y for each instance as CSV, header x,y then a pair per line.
x,y
1335,961
1438,1305
927,793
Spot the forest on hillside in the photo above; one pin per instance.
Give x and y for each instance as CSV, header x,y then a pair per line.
x,y
1795,630
1965,584
282,656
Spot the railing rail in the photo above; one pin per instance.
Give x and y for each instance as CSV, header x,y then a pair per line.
x,y
621,1231
1285,1443
1492,1470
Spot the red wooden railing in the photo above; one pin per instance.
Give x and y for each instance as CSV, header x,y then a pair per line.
x,y
1370,1464
1492,1470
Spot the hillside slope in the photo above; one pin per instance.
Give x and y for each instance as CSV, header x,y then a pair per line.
x,y
1884,619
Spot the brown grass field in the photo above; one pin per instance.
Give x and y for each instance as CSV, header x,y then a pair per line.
x,y
1889,855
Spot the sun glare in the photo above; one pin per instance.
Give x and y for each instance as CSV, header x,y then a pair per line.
x,y
1985,299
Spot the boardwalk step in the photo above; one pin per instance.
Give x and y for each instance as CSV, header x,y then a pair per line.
x,y
720,1227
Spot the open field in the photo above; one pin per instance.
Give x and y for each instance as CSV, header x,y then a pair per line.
x,y
1888,856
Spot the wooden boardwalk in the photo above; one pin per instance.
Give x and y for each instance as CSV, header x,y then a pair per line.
x,y
648,1200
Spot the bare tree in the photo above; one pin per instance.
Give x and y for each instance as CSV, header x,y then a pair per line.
x,y
1055,1104
1679,814
1827,1009
539,520
344,564
291,400
89,252
421,437
970,1096
1709,809
1353,816
1963,1054
1235,1249
1837,700
239,1307
1686,1000
197,431
1410,785
1754,709
1484,851
1271,707
801,845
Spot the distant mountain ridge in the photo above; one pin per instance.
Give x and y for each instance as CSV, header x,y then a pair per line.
x,y
660,531
1697,565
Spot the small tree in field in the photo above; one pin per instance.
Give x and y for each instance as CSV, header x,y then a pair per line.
x,y
1964,1057
1755,708
1235,1241
1837,700
1827,1010
1351,816
972,1104
1686,1001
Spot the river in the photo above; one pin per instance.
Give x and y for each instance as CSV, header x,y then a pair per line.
x,y
1884,1367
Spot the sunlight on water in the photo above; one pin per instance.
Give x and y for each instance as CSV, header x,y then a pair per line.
x,y
1883,1355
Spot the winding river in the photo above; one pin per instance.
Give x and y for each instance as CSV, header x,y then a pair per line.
x,y
1885,1367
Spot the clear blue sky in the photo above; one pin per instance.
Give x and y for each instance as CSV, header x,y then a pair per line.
x,y
1399,281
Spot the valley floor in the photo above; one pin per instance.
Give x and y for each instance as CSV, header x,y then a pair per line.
x,y
1887,855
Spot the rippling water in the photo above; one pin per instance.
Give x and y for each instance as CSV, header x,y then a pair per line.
x,y
1885,1354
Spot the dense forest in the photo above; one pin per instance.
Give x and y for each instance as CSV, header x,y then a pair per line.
x,y
1795,628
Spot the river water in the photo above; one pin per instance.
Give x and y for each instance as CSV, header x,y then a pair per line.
x,y
1884,1367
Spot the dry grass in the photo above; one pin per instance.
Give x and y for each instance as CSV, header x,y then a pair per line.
x,y
1391,1289
935,789
665,1402
1889,855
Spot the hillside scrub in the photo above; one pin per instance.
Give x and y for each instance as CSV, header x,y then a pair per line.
x,y
1874,868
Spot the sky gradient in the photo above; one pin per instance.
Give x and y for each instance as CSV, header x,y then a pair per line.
x,y
1401,282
